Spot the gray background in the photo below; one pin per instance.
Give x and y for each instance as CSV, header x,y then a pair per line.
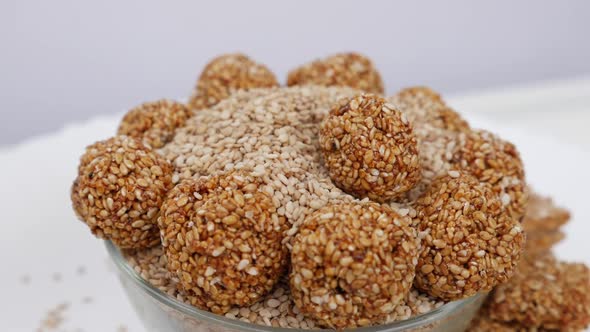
x,y
64,61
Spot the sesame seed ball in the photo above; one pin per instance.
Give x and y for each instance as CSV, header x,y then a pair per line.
x,y
227,74
544,294
155,122
423,105
353,263
370,149
470,244
222,237
493,160
345,69
120,186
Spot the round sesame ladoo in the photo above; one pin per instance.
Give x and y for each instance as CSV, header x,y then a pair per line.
x,y
120,186
497,162
227,74
344,69
470,244
352,264
154,123
370,149
544,294
424,106
222,238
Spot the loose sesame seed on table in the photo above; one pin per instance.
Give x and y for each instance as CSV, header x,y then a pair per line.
x,y
320,204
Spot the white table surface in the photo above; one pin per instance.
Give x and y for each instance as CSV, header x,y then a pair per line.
x,y
44,247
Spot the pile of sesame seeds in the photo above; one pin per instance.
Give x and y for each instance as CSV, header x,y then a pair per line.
x,y
273,135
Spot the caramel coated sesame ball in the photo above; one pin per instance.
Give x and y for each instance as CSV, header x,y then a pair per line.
x,y
423,105
470,244
155,122
370,149
544,294
345,69
120,186
352,264
222,237
495,161
226,74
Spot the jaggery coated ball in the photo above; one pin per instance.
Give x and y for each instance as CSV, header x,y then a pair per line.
x,y
226,74
120,187
352,264
544,294
470,243
495,161
423,105
154,123
222,237
369,148
344,69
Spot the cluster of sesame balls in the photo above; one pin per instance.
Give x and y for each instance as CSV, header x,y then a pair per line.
x,y
351,264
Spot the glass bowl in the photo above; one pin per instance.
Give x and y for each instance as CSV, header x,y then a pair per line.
x,y
162,313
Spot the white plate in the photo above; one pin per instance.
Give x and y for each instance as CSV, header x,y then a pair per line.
x,y
42,241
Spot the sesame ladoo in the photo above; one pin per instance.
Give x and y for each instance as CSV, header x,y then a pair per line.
x,y
542,214
369,148
344,69
154,123
493,160
227,74
469,244
542,224
539,242
222,238
120,186
544,294
352,264
424,106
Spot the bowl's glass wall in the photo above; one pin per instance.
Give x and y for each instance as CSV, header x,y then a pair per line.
x,y
160,313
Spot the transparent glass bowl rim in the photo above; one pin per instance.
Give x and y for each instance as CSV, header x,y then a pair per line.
x,y
129,273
